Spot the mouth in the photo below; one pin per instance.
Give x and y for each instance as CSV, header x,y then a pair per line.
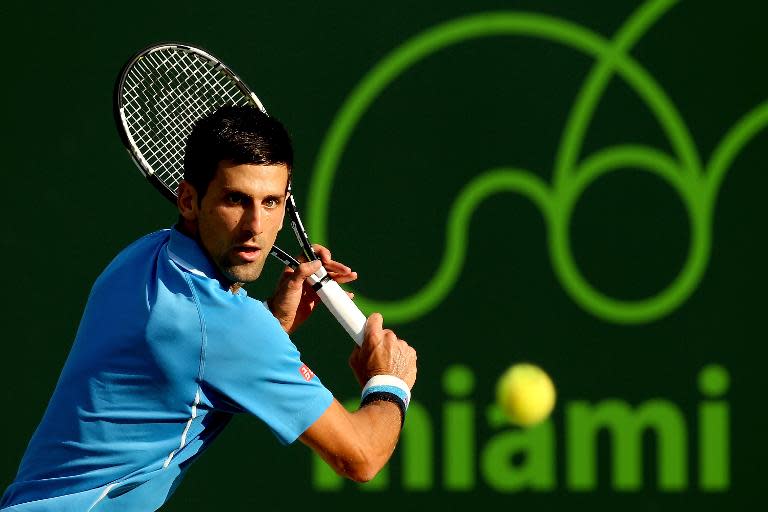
x,y
248,253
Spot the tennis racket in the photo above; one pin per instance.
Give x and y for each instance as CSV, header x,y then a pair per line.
x,y
159,94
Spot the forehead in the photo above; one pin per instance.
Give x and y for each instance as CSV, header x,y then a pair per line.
x,y
251,179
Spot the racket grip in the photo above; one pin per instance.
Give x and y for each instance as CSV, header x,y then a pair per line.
x,y
341,307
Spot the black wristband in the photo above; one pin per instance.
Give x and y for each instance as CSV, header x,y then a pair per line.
x,y
385,396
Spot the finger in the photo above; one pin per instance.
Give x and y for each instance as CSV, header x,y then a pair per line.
x,y
335,266
322,252
343,278
301,258
389,335
350,295
305,270
374,323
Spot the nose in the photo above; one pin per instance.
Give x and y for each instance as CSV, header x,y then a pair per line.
x,y
253,221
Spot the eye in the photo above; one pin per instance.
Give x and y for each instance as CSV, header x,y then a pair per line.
x,y
234,198
271,202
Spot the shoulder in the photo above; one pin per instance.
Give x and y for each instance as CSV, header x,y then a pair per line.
x,y
236,323
233,311
149,241
139,252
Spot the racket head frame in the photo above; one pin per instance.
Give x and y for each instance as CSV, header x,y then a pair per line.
x,y
119,104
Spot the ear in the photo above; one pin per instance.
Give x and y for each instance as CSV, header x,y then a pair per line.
x,y
186,201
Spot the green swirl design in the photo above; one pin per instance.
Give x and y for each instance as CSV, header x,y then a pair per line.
x,y
696,186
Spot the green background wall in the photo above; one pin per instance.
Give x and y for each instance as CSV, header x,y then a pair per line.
x,y
72,199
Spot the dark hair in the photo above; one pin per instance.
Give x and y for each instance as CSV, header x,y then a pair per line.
x,y
244,135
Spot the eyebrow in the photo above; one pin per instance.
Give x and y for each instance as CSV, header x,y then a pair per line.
x,y
230,190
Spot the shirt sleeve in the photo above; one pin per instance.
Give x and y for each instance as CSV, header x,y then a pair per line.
x,y
251,365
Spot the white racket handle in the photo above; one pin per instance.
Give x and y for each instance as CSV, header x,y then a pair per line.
x,y
339,304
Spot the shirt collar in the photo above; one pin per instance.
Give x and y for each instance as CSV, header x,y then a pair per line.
x,y
188,254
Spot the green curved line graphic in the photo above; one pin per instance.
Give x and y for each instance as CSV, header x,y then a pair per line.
x,y
653,161
596,82
730,146
696,189
475,192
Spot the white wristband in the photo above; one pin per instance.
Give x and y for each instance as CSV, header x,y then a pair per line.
x,y
390,384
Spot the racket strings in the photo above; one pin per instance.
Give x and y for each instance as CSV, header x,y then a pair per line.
x,y
164,94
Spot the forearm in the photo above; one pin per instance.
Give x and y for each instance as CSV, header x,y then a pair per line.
x,y
378,426
356,445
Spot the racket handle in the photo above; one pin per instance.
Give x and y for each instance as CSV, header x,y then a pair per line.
x,y
340,305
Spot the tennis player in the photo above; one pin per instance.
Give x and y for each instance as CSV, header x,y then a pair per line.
x,y
170,345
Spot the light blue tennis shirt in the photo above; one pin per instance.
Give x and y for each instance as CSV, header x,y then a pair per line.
x,y
164,356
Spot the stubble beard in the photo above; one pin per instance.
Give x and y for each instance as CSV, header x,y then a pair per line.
x,y
243,273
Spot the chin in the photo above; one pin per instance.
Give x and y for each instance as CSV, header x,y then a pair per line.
x,y
243,273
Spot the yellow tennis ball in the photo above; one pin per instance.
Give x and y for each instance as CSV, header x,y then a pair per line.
x,y
526,394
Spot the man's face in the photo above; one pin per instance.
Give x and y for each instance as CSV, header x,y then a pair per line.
x,y
240,216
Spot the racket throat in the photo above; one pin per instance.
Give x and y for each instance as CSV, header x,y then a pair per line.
x,y
284,257
298,229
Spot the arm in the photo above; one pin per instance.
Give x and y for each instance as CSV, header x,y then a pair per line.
x,y
357,445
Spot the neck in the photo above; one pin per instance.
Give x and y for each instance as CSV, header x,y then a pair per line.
x,y
187,227
190,229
